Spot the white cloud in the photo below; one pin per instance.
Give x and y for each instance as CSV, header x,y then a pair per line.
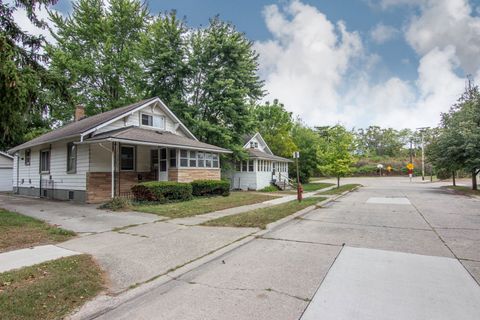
x,y
382,33
25,24
322,73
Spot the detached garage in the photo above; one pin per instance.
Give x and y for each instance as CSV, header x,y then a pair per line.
x,y
6,171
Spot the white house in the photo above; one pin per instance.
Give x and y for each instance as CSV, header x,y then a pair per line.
x,y
262,169
96,158
6,169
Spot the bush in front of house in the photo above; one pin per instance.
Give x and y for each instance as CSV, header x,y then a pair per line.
x,y
205,188
162,191
117,204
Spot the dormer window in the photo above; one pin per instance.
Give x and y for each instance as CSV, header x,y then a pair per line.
x,y
147,120
253,145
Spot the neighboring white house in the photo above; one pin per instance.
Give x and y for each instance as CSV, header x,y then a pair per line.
x,y
96,158
6,169
262,169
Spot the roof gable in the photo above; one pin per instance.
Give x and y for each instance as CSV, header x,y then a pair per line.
x,y
89,125
257,136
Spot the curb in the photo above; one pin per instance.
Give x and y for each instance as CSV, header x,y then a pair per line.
x,y
105,303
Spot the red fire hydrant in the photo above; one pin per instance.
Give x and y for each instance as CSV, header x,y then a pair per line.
x,y
299,192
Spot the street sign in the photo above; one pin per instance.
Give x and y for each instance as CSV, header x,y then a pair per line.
x,y
389,168
410,166
296,155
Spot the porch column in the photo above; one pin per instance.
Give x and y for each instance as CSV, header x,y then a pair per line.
x,y
113,170
158,164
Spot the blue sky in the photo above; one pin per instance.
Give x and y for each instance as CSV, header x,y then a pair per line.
x,y
395,63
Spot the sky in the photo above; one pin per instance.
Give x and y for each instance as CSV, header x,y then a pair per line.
x,y
393,63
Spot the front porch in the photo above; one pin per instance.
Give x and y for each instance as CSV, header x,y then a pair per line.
x,y
132,163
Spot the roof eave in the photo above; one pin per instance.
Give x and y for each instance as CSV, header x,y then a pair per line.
x,y
145,143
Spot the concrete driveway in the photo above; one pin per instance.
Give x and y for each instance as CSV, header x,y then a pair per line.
x,y
81,218
415,260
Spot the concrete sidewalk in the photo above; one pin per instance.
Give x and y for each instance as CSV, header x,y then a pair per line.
x,y
28,257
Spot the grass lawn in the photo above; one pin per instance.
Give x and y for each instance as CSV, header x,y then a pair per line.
x,y
314,186
19,231
307,187
49,290
464,190
343,188
203,205
260,218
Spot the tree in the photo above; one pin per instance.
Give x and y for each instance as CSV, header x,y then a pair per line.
x,y
275,124
165,52
458,145
222,86
25,83
307,142
335,153
377,141
98,54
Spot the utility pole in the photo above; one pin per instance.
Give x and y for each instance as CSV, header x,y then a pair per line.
x,y
422,132
296,155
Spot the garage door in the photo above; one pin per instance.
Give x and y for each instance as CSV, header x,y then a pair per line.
x,y
6,179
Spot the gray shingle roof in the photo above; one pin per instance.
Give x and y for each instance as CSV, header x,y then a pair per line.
x,y
134,134
258,154
79,127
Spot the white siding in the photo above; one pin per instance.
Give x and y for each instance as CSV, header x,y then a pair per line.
x,y
58,167
100,158
244,180
5,162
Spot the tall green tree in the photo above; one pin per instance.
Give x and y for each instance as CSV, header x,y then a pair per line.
x,y
98,54
275,124
165,57
223,84
381,142
308,144
336,152
25,83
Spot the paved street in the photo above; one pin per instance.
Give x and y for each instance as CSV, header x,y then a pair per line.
x,y
276,276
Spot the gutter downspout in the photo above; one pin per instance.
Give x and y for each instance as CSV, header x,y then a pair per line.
x,y
18,173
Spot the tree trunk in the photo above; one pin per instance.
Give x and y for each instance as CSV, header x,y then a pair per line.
x,y
338,182
453,178
474,179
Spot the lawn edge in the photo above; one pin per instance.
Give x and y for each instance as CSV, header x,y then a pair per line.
x,y
105,303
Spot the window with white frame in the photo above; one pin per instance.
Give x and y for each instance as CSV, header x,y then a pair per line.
x,y
193,159
201,159
147,120
208,160
238,166
27,157
216,161
183,158
250,166
244,166
71,157
173,158
45,160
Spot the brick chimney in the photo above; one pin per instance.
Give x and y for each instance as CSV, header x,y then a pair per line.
x,y
79,112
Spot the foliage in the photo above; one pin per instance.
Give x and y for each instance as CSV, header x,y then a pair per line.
x,y
377,141
457,145
307,142
162,191
336,152
224,82
117,204
25,83
275,124
98,54
201,188
269,188
164,54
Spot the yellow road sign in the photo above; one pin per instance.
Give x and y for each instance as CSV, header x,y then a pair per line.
x,y
389,168
410,166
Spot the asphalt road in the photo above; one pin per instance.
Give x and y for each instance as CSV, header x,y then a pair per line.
x,y
391,250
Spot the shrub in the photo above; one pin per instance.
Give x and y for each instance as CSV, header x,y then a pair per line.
x,y
117,204
269,189
202,188
162,191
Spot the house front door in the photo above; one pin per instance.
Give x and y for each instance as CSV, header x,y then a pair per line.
x,y
163,163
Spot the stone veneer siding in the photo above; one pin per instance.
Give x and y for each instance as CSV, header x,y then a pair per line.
x,y
188,175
